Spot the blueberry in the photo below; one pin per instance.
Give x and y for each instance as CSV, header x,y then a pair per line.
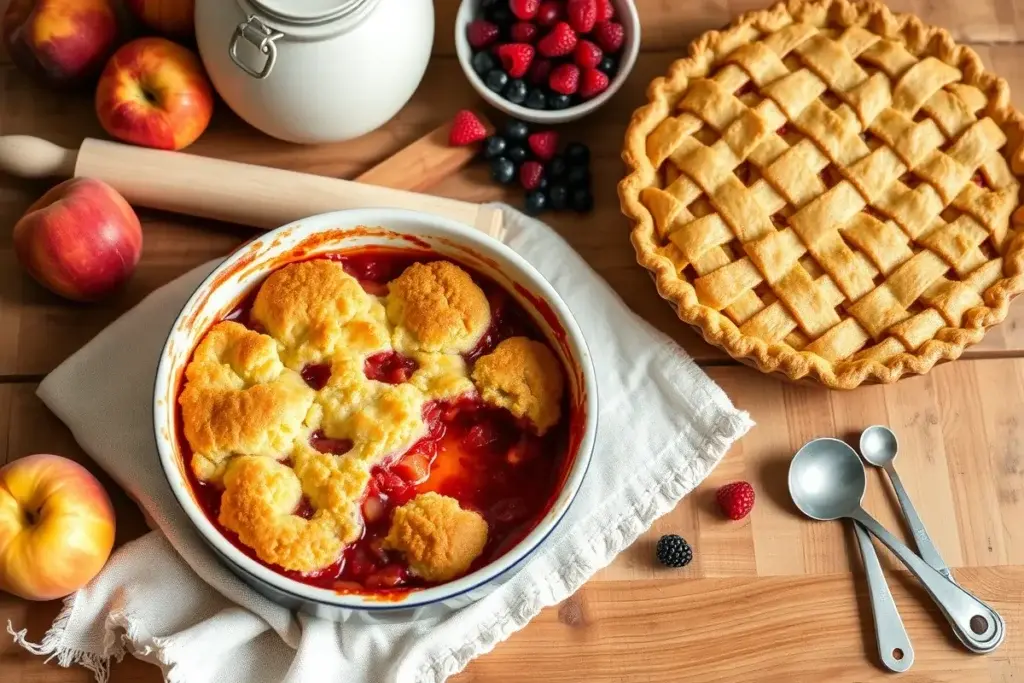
x,y
558,197
557,167
501,15
536,99
487,4
608,65
494,146
516,130
496,80
517,154
582,200
536,202
483,62
558,101
515,91
578,154
578,176
503,170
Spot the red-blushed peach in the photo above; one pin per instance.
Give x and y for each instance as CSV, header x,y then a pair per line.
x,y
170,17
80,240
62,41
56,527
154,93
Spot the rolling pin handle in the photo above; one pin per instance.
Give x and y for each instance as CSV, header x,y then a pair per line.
x,y
31,157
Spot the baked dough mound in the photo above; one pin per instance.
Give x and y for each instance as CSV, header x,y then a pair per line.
x,y
239,399
440,540
314,308
436,307
334,485
524,377
260,497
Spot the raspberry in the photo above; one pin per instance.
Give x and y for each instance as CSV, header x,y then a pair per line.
x,y
587,55
549,13
481,33
543,145
523,32
531,173
592,83
609,35
524,9
605,10
559,42
466,129
736,499
582,15
539,71
565,79
516,58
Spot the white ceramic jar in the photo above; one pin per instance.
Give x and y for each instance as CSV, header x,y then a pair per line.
x,y
312,71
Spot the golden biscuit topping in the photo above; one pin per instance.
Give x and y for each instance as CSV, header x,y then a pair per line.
x,y
524,377
436,307
439,539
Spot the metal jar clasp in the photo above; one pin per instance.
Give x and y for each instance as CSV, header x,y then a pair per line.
x,y
260,36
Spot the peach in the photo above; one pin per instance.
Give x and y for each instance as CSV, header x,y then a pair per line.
x,y
56,527
170,17
154,93
80,240
62,41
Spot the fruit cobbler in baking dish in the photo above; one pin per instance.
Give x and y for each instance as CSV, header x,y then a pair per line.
x,y
375,421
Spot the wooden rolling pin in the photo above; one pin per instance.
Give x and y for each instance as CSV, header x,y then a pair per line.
x,y
222,190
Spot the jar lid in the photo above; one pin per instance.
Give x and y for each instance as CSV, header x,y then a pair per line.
x,y
306,11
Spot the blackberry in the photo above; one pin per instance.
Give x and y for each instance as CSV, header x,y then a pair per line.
x,y
674,551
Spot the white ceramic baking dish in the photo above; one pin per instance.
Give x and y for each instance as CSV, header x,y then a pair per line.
x,y
343,231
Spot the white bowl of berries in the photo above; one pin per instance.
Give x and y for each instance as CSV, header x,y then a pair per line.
x,y
547,61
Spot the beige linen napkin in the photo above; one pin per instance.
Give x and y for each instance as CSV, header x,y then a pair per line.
x,y
663,425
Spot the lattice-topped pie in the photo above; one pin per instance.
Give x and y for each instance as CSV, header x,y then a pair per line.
x,y
378,420
829,189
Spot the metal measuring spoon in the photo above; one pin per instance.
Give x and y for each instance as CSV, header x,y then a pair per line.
x,y
893,642
827,482
879,446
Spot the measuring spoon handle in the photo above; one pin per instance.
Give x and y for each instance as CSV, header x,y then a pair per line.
x,y
893,642
959,606
925,547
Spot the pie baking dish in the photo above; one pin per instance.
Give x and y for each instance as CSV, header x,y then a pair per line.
x,y
359,376
830,190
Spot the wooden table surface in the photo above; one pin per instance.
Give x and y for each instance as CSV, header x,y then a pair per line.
x,y
774,597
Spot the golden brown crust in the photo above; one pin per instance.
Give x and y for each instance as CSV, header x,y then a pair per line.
x,y
705,53
436,307
522,376
440,540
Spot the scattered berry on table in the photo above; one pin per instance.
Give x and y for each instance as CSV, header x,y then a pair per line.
x,y
605,10
524,32
582,15
524,9
494,146
536,202
516,130
539,71
544,145
674,551
578,176
609,35
736,499
483,62
559,42
482,33
557,101
503,170
549,13
536,99
582,200
516,58
467,128
592,83
496,80
515,91
517,154
531,173
558,197
557,168
577,154
587,54
608,65
565,79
